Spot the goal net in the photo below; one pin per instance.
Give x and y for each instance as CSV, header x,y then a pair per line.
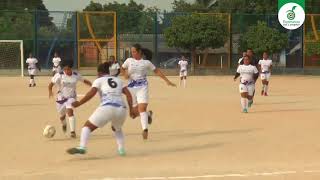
x,y
11,57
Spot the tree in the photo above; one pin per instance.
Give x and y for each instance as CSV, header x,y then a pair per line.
x,y
262,38
197,32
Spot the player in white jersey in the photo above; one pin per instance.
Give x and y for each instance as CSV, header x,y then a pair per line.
x,y
114,66
32,69
183,64
136,69
248,75
67,82
56,64
265,67
112,109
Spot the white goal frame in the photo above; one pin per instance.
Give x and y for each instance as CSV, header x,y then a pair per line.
x,y
21,53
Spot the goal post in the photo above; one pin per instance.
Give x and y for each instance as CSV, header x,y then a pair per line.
x,y
12,56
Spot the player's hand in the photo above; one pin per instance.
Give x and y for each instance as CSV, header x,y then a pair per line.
x,y
50,94
169,83
132,115
76,104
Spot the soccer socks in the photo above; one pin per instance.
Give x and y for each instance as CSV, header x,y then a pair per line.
x,y
144,120
244,103
120,139
72,123
85,133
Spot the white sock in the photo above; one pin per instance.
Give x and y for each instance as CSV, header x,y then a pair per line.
x,y
266,89
144,120
72,123
184,83
263,87
85,133
120,139
31,81
244,103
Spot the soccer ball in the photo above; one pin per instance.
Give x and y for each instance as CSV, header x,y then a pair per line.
x,y
49,131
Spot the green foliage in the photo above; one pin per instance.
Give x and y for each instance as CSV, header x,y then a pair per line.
x,y
197,32
262,38
312,48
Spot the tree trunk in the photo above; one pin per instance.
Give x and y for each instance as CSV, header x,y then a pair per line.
x,y
205,56
193,60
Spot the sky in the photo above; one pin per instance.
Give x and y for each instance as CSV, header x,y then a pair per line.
x,y
78,5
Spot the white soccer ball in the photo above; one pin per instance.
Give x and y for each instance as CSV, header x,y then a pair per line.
x,y
49,131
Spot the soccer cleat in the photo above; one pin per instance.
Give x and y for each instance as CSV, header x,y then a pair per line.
x,y
121,152
265,94
150,117
73,135
64,128
245,110
77,150
29,85
145,134
262,93
34,85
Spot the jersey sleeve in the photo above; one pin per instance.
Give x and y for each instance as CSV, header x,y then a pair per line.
x,y
238,69
117,66
56,78
125,65
96,84
179,62
270,62
35,61
80,78
27,61
259,62
255,70
151,66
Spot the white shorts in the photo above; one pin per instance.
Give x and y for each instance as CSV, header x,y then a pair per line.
x,y
247,88
183,73
265,76
62,107
32,71
56,69
104,114
139,95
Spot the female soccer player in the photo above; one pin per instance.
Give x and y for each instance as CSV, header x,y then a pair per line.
x,y
114,66
136,69
183,63
265,67
67,82
32,69
56,64
248,75
112,109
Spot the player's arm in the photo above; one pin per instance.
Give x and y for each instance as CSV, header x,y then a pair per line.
x,y
50,86
118,72
256,74
38,65
87,82
158,72
237,74
127,93
90,94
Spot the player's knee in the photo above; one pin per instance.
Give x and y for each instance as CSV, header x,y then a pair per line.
x,y
91,126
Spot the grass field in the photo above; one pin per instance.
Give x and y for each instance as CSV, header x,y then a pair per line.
x,y
198,133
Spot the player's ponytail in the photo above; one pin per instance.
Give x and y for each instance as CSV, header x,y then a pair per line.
x,y
147,53
103,68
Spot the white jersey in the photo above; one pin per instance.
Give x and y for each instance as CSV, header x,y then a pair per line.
x,y
265,65
137,71
67,85
110,90
32,63
114,68
246,73
56,61
183,65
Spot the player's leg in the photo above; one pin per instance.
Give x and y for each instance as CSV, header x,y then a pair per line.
x,y
71,117
266,88
117,123
181,78
32,81
251,90
61,108
133,92
184,79
262,76
244,97
101,116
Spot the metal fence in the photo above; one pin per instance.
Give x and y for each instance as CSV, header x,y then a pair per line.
x,y
89,38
